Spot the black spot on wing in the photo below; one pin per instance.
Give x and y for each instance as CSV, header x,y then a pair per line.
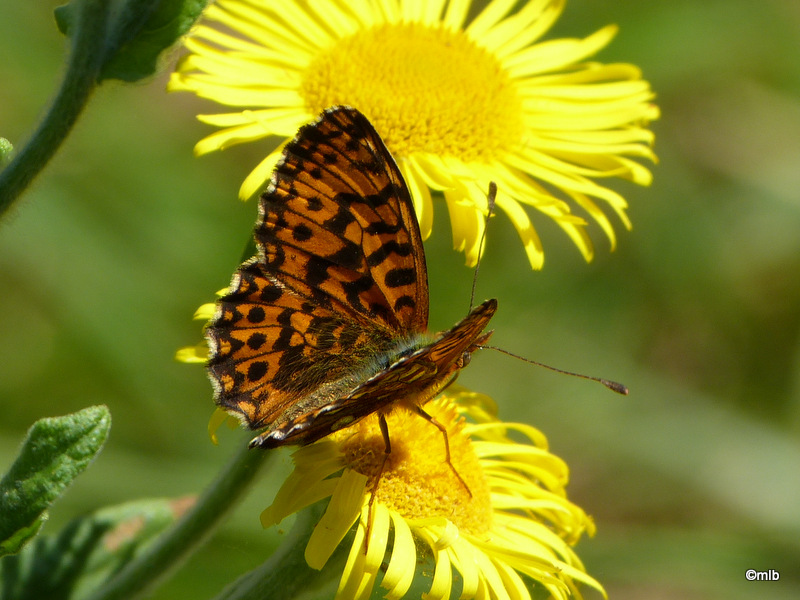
x,y
316,271
338,223
400,277
387,249
349,256
256,315
270,294
313,204
403,302
256,341
257,370
301,233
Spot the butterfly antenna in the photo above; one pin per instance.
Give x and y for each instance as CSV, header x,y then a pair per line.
x,y
612,385
491,197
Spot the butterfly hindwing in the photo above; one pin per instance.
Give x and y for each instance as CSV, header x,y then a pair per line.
x,y
264,336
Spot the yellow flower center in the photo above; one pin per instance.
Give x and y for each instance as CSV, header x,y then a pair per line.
x,y
416,481
426,89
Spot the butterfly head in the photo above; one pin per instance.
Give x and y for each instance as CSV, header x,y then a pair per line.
x,y
466,357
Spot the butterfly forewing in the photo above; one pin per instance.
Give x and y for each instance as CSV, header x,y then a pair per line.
x,y
323,326
338,225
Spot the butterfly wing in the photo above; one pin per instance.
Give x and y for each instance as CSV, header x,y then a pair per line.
x,y
338,225
339,277
414,378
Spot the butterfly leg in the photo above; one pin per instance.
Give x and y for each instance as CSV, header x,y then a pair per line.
x,y
387,450
432,420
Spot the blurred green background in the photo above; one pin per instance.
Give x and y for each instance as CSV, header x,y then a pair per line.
x,y
692,479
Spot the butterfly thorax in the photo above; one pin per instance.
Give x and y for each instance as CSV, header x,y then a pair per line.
x,y
361,367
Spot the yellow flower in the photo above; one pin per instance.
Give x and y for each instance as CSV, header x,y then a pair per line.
x,y
459,103
513,522
198,354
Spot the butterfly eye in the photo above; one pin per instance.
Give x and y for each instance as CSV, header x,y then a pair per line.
x,y
465,358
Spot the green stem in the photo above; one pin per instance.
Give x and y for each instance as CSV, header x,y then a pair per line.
x,y
142,575
80,79
286,575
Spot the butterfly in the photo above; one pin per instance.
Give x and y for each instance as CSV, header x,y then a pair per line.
x,y
328,322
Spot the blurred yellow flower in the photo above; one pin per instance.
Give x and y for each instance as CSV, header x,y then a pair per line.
x,y
459,103
513,523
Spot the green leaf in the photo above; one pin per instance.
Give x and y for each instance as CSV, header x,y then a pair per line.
x,y
139,32
142,31
19,538
55,451
89,550
6,150
65,18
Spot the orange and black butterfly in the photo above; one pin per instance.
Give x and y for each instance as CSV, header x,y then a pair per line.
x,y
327,323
